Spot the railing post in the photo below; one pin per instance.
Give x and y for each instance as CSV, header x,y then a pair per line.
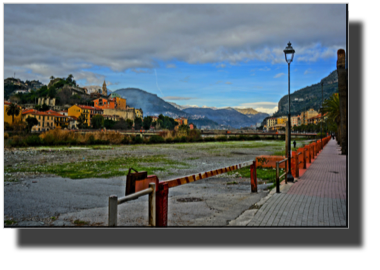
x,y
277,177
253,177
112,210
162,205
152,205
304,158
297,166
309,153
286,168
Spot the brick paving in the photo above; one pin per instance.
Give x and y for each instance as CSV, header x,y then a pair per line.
x,y
317,199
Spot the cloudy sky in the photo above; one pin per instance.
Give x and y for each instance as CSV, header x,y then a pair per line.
x,y
204,55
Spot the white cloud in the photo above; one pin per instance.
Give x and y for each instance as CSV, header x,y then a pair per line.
x,y
228,82
171,66
266,107
221,66
72,38
279,75
308,71
177,98
264,69
186,79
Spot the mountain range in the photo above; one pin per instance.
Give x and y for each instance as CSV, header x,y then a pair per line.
x,y
153,105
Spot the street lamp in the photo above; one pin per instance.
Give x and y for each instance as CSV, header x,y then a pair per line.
x,y
289,54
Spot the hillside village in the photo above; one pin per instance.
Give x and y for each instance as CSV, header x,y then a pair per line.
x,y
62,103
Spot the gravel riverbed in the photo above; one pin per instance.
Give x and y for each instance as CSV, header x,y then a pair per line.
x,y
39,199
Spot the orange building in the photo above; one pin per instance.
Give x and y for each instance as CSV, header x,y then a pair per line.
x,y
46,120
114,101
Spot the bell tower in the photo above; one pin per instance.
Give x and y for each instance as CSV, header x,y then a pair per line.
x,y
104,89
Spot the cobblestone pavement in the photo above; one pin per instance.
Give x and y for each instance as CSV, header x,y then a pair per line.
x,y
317,199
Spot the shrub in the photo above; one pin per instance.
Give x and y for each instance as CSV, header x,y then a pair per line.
x,y
48,139
33,140
169,140
209,139
242,137
176,140
221,138
17,141
7,126
183,139
137,139
126,140
233,138
156,139
6,135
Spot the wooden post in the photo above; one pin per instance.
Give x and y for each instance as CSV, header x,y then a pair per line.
x,y
152,205
277,177
297,166
304,158
309,153
162,205
286,169
253,177
112,210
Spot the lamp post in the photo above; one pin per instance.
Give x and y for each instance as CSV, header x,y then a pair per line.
x,y
289,54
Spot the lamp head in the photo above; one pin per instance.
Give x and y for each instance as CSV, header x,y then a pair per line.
x,y
289,53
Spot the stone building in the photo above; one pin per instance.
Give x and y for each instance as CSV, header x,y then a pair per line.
x,y
47,101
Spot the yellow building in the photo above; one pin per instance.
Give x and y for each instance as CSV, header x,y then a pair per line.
x,y
8,118
46,120
77,110
282,120
139,113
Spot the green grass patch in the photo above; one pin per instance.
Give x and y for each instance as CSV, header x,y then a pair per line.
x,y
104,169
9,222
232,183
192,158
79,222
268,174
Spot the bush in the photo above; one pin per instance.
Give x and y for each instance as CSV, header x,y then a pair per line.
x,y
6,136
7,126
176,140
169,140
137,139
242,137
156,139
48,139
33,140
209,139
221,138
183,139
17,141
126,140
233,138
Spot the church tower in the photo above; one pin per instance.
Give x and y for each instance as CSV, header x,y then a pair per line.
x,y
104,92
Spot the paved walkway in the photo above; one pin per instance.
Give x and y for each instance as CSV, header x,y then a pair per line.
x,y
317,199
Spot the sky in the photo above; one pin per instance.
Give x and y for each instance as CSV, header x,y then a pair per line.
x,y
218,55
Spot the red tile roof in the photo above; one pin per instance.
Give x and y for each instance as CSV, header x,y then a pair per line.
x,y
86,107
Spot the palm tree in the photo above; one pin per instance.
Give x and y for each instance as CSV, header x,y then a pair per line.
x,y
51,77
331,107
13,110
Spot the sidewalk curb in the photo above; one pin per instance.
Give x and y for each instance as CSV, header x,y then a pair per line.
x,y
248,214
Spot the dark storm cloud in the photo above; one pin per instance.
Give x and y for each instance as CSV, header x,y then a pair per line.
x,y
61,39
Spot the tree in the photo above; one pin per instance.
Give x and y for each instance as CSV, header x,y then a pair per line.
x,y
81,121
31,121
97,121
331,107
13,110
184,128
52,78
147,122
44,108
52,92
138,123
69,78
